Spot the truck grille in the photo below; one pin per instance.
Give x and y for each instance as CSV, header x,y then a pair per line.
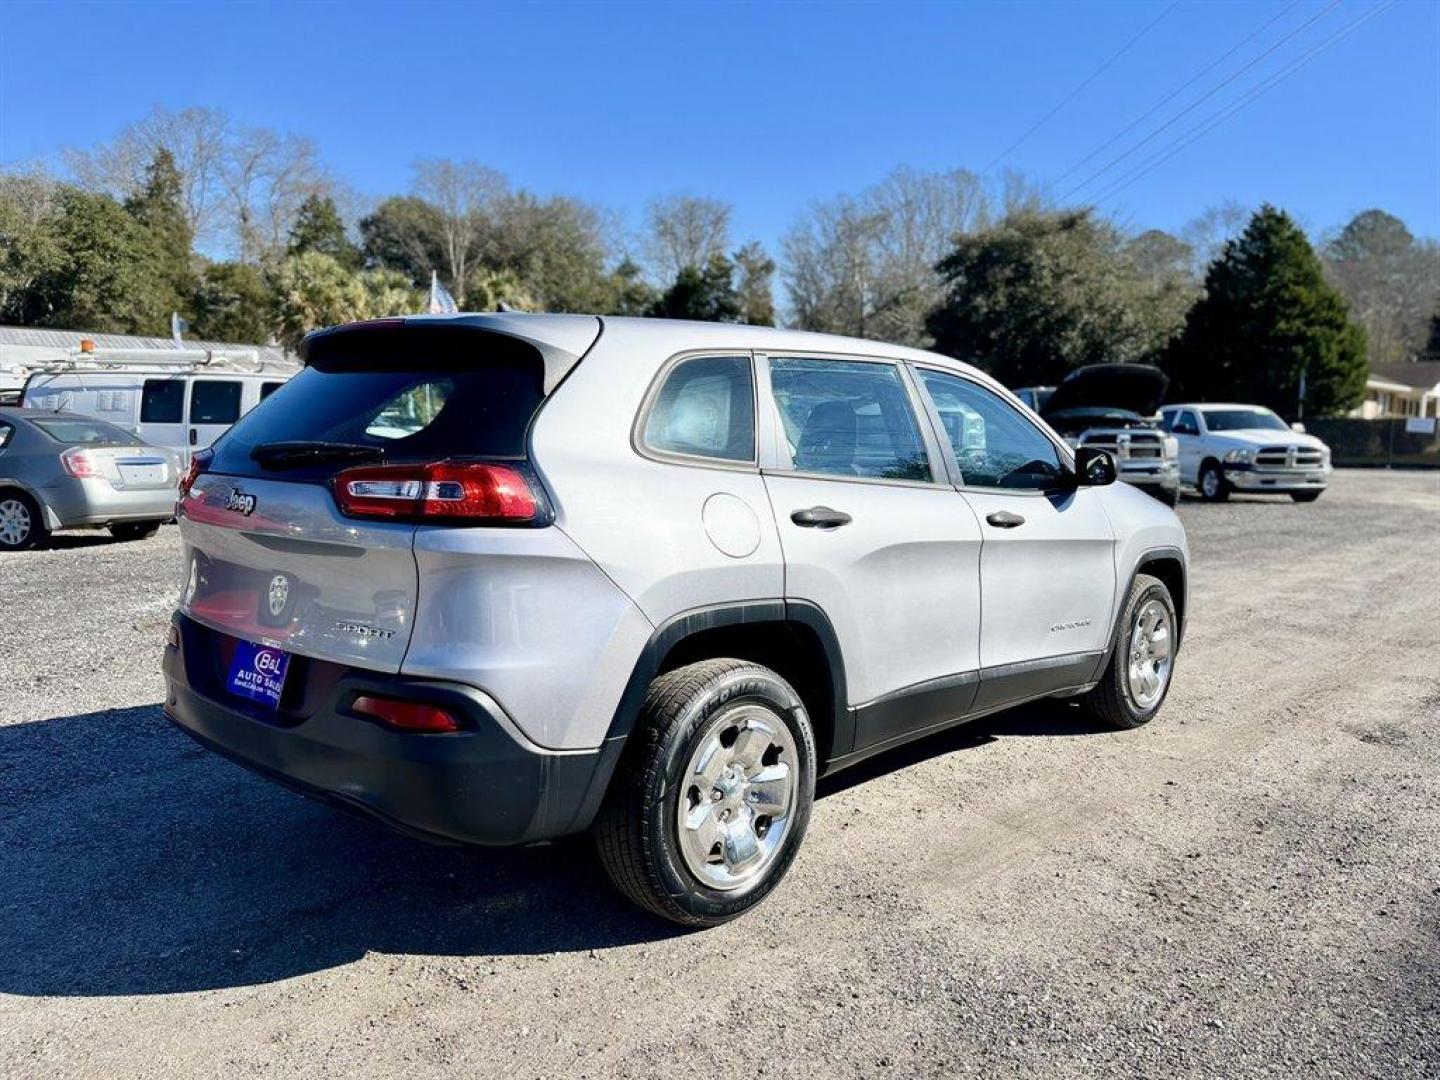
x,y
1288,457
1128,444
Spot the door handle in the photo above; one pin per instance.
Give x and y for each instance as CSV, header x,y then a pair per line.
x,y
1004,519
820,517
194,436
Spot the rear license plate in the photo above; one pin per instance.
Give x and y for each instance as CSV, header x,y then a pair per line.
x,y
258,673
142,474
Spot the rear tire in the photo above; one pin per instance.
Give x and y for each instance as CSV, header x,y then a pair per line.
x,y
711,799
1211,483
1137,679
134,530
1305,496
21,524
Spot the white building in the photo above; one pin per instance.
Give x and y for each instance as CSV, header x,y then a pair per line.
x,y
1401,390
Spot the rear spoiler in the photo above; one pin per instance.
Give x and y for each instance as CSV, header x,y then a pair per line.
x,y
561,340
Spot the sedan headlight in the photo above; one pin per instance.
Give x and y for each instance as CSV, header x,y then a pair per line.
x,y
1240,457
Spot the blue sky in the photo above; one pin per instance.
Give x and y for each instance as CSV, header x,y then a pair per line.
x,y
766,106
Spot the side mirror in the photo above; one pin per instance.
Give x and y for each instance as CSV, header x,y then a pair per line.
x,y
1298,427
1094,468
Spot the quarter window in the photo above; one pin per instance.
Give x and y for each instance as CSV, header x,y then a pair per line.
x,y
848,418
5,432
268,388
214,402
705,408
162,401
995,445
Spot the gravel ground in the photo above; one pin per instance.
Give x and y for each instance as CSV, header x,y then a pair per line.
x,y
1248,887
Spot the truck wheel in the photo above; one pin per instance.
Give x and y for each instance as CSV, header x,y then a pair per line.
x,y
21,525
1169,496
709,804
1212,483
1137,678
1305,496
134,530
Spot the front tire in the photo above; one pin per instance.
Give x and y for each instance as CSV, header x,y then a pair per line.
x,y
134,530
21,525
711,800
1137,678
1211,483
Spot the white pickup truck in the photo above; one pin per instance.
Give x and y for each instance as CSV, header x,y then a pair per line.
x,y
1225,448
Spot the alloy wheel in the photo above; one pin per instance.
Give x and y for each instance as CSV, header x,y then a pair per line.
x,y
1151,645
15,523
736,798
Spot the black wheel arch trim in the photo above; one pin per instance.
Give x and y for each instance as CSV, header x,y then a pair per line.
x,y
1149,557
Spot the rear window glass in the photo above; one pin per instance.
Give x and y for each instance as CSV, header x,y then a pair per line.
x,y
163,401
705,409
421,397
214,402
85,431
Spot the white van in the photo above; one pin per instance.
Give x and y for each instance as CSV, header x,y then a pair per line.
x,y
183,409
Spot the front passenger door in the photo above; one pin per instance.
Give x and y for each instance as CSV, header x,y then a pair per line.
x,y
1047,562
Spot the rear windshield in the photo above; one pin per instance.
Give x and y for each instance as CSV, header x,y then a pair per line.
x,y
417,396
96,432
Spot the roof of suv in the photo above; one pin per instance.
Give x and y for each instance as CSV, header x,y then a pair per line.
x,y
566,338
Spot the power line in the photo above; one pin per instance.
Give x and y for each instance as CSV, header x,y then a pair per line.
x,y
1174,94
1201,100
1077,91
1206,126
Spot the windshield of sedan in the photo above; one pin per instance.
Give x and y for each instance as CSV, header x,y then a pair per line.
x,y
1243,420
94,432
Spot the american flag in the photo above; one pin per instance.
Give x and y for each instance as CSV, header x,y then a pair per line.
x,y
441,302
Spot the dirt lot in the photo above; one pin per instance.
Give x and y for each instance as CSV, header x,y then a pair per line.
x,y
1249,887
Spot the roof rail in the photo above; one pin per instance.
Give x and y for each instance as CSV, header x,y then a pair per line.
x,y
77,359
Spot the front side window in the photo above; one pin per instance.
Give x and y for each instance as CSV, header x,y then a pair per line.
x,y
162,401
848,418
995,445
705,408
214,402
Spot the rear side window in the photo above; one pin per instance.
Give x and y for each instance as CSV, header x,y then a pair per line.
x,y
705,408
848,418
214,402
414,395
163,401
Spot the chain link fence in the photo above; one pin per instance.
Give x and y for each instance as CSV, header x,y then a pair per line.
x,y
1380,443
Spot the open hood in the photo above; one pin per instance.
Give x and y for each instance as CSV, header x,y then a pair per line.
x,y
1135,388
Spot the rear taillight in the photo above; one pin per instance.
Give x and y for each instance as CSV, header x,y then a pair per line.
x,y
406,715
475,493
199,463
79,463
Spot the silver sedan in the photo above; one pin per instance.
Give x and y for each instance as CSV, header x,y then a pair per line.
x,y
66,471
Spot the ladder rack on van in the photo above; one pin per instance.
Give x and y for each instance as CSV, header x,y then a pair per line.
x,y
239,361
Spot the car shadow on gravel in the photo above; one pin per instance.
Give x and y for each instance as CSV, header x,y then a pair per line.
x,y
132,861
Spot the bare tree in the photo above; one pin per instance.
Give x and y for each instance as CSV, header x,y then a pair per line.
x,y
685,231
865,264
196,138
1207,233
465,193
266,177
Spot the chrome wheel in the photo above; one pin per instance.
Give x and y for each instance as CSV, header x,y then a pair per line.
x,y
15,524
737,797
1151,645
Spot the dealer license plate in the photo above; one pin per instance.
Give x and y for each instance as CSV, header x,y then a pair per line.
x,y
258,673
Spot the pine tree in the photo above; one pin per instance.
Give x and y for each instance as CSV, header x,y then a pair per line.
x,y
706,294
318,227
1268,323
159,207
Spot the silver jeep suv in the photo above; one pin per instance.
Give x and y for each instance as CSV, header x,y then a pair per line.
x,y
501,578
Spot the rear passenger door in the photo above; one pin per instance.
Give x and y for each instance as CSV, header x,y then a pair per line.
x,y
214,406
874,535
1047,565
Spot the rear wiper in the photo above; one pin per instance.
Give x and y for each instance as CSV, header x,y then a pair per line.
x,y
297,452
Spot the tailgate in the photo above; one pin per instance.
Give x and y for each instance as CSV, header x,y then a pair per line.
x,y
274,561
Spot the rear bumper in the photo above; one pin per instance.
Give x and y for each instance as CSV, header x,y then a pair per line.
x,y
78,502
484,785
